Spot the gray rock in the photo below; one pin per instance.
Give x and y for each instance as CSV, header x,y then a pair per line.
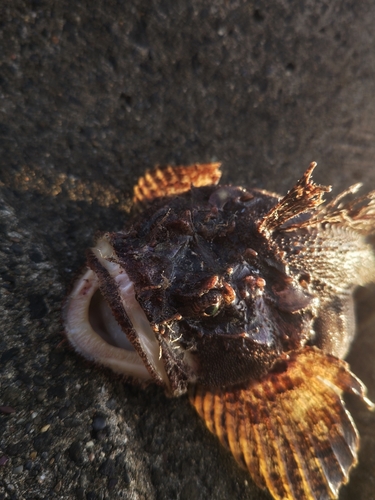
x,y
91,96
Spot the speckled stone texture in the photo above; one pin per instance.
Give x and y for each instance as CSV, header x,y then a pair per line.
x,y
91,95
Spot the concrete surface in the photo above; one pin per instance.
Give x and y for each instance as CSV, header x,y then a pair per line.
x,y
91,95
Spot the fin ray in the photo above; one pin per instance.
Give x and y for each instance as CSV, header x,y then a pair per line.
x,y
172,181
291,429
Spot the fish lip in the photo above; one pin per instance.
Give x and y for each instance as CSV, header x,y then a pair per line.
x,y
145,361
86,341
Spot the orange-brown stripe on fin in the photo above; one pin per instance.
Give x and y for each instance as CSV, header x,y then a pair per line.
x,y
292,430
172,181
304,196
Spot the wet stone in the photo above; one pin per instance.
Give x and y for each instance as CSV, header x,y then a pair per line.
x,y
57,487
37,306
59,431
36,256
72,422
120,460
58,391
9,354
12,395
80,494
111,404
41,395
18,469
16,449
83,402
56,358
28,427
63,412
37,420
76,452
192,489
108,468
16,249
25,378
59,370
99,423
7,410
39,380
101,435
112,481
125,477
42,441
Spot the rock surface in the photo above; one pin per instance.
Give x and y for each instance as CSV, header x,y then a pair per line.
x,y
91,95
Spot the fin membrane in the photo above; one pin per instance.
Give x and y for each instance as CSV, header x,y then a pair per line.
x,y
171,181
291,429
306,196
303,197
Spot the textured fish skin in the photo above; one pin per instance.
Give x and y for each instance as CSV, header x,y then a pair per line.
x,y
247,298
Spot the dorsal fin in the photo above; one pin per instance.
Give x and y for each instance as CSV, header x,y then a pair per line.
x,y
171,181
303,197
306,196
357,214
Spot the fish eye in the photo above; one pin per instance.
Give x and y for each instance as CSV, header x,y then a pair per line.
x,y
212,310
211,303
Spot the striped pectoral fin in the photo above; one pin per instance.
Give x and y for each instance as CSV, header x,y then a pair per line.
x,y
172,181
291,430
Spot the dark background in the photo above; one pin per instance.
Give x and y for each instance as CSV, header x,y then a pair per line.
x,y
92,94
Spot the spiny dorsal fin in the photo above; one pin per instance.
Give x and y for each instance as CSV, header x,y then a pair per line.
x,y
303,197
291,429
306,196
357,214
172,181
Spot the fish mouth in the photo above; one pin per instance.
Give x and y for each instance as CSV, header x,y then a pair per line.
x,y
92,326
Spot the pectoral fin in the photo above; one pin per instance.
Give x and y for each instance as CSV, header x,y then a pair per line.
x,y
172,181
291,430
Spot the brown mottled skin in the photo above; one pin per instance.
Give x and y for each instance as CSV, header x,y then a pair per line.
x,y
189,253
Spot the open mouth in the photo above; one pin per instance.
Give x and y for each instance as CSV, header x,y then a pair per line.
x,y
95,333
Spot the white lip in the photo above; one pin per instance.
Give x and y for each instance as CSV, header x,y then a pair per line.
x,y
88,342
148,342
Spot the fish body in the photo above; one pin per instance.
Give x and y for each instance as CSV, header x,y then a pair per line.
x,y
243,299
